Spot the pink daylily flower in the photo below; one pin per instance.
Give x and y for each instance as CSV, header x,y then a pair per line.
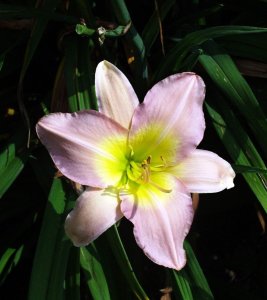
x,y
137,160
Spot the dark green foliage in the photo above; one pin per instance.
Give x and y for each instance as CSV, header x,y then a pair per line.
x,y
48,54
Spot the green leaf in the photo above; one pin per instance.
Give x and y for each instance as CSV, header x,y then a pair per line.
x,y
12,162
199,14
72,281
94,273
11,12
51,255
174,59
124,263
55,288
190,282
226,76
249,169
201,289
134,47
250,46
35,37
239,146
181,285
10,173
190,61
152,29
9,260
79,74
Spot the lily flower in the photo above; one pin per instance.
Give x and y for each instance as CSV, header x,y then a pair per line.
x,y
137,160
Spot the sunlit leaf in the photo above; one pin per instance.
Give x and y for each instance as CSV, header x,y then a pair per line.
x,y
226,76
8,261
240,147
51,256
94,273
12,161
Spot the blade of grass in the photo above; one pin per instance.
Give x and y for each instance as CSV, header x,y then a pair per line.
x,y
151,30
239,146
134,47
117,282
94,273
199,14
249,169
248,46
181,285
48,260
190,282
124,263
174,59
56,286
11,172
8,261
12,162
190,61
78,74
201,289
226,76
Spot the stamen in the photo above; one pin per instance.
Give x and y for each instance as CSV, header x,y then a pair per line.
x,y
140,172
145,174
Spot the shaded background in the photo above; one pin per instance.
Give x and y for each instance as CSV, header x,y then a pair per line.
x,y
46,65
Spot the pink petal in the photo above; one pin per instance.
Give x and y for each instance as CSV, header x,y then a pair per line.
x,y
161,220
174,108
87,147
205,172
95,211
116,97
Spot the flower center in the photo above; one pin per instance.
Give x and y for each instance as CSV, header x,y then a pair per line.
x,y
139,172
142,173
